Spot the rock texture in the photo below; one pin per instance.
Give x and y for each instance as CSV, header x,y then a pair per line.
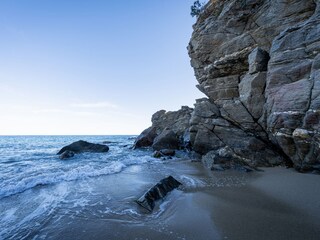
x,y
83,146
258,63
157,192
66,154
168,130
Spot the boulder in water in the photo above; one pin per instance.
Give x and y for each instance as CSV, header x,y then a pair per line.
x,y
83,146
66,154
157,192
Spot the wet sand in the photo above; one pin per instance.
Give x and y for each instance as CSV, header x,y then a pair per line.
x,y
275,204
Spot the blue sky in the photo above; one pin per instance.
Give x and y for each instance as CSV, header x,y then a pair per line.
x,y
92,67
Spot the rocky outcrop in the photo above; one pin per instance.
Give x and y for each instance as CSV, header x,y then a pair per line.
x,y
258,63
167,139
168,130
145,139
83,146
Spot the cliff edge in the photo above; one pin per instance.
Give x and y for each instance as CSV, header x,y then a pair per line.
x,y
258,63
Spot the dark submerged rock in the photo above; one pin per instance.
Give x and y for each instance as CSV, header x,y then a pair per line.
x,y
157,154
157,192
83,146
168,152
66,154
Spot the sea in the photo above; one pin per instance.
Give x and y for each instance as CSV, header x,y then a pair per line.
x,y
44,197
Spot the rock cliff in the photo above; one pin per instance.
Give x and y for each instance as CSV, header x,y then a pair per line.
x,y
258,63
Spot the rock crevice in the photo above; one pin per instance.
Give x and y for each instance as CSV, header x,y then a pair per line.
x,y
258,63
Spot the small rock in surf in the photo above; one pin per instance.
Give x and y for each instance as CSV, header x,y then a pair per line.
x,y
157,192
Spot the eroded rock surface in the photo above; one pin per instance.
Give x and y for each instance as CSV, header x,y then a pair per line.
x,y
168,130
258,63
157,192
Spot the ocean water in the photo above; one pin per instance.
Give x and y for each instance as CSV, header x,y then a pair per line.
x,y
40,194
34,181
30,161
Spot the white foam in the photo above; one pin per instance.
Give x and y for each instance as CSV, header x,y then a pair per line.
x,y
8,216
39,207
14,185
191,182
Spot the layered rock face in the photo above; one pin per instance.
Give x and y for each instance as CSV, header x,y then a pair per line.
x,y
258,62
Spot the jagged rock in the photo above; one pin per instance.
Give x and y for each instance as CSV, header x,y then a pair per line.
x,y
83,146
145,139
157,192
213,131
166,140
224,158
259,64
251,89
206,141
177,121
258,60
292,93
66,154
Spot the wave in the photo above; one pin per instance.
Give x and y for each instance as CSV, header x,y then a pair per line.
x,y
14,185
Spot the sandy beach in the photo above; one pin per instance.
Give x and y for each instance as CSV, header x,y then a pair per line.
x,y
278,203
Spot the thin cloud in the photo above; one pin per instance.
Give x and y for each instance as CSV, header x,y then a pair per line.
x,y
64,111
95,105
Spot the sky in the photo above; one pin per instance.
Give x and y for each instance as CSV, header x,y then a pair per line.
x,y
98,67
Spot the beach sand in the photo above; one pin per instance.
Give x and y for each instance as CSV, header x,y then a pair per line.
x,y
278,203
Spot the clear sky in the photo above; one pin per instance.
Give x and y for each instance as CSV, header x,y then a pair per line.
x,y
92,66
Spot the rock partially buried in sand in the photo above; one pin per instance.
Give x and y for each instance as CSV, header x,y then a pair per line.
x,y
66,154
83,146
157,192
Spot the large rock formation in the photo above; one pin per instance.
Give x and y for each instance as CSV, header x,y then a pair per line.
x,y
258,63
168,130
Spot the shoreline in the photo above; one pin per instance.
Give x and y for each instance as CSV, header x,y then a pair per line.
x,y
278,203
216,205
